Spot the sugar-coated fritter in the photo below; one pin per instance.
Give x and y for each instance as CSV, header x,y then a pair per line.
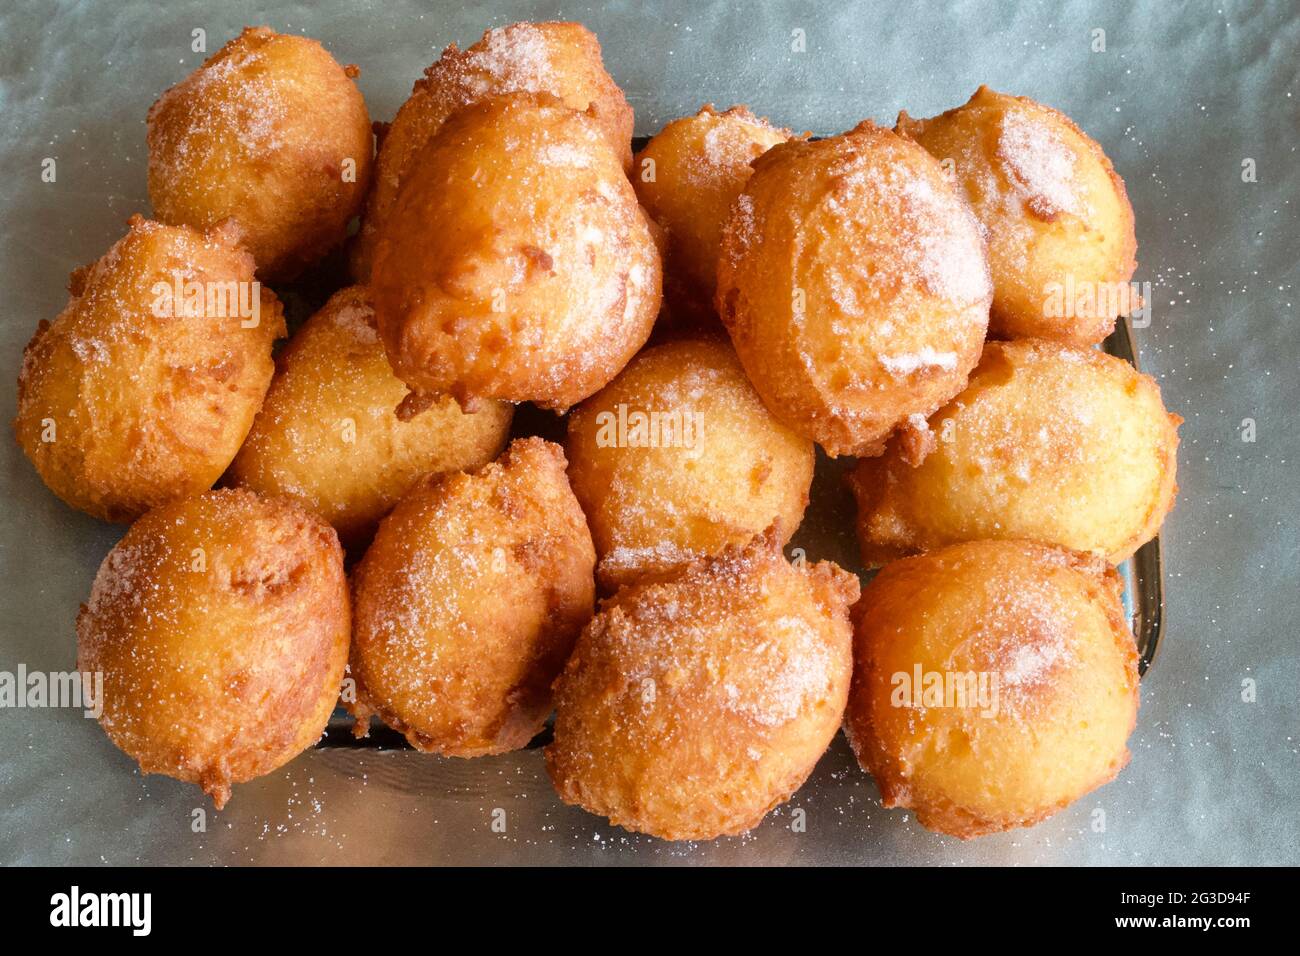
x,y
1048,442
220,624
694,704
516,264
1059,226
468,603
994,683
328,432
678,458
144,386
687,177
272,132
562,59
854,285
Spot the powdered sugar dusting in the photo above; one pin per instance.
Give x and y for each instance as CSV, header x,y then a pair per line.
x,y
685,636
1026,639
733,140
358,320
926,357
794,667
202,113
661,554
741,228
931,239
1030,664
514,58
951,262
564,154
122,577
1042,163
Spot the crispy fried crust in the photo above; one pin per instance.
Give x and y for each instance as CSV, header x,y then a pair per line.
x,y
468,603
273,132
328,432
1046,629
562,59
1048,442
678,458
220,623
1054,210
854,285
694,704
687,177
516,264
125,401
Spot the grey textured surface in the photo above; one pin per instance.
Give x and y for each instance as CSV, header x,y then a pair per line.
x,y
1180,97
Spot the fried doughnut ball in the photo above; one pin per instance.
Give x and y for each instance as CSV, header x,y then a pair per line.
x,y
1057,219
994,683
468,603
144,386
694,704
687,177
1052,443
517,263
270,131
328,434
853,283
678,458
220,624
562,59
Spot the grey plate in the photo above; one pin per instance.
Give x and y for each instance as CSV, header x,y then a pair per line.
x,y
1182,96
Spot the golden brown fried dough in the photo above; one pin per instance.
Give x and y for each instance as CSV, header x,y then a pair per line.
x,y
1051,443
562,59
678,458
1057,218
994,683
328,432
220,624
272,132
695,704
468,603
687,177
853,283
144,386
516,264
